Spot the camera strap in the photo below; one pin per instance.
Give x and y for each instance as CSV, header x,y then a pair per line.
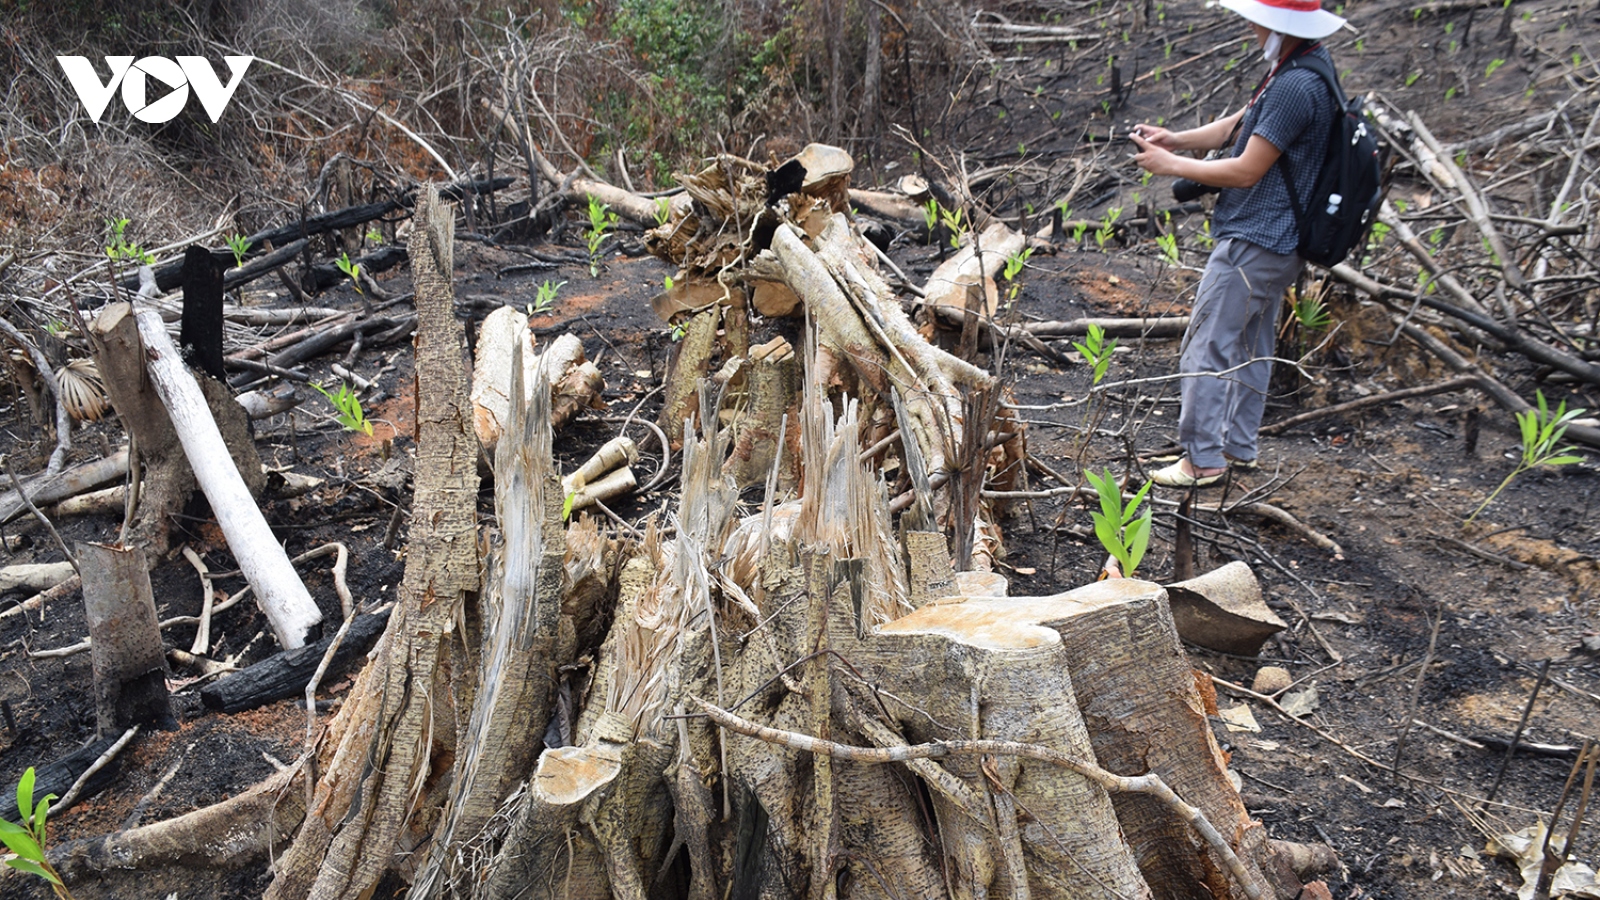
x,y
1266,81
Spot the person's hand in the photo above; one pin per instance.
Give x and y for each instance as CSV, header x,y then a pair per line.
x,y
1152,157
1156,136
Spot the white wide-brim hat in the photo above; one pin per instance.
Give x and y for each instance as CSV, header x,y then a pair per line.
x,y
1295,18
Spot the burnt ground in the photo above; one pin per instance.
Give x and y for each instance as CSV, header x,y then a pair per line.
x,y
1391,485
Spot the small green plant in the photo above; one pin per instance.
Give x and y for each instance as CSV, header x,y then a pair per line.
x,y
666,282
1412,78
678,331
1310,312
348,406
1204,235
120,249
1169,247
1077,232
601,222
240,245
1096,351
566,507
930,216
545,300
28,840
1014,265
951,219
1450,94
352,270
1107,227
663,210
1542,430
374,237
1123,530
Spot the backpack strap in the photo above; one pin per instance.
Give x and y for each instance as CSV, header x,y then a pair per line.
x,y
1304,60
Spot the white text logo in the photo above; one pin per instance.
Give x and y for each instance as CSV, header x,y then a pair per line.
x,y
179,75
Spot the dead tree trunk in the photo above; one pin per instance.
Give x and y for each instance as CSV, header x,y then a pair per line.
x,y
379,796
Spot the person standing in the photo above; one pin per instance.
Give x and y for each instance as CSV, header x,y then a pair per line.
x,y
1226,362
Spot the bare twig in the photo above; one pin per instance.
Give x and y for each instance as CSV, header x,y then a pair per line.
x,y
16,483
1416,689
105,759
1511,749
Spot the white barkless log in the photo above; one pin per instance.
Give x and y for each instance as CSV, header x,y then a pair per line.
x,y
278,588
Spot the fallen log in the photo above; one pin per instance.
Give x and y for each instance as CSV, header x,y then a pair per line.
x,y
321,342
1150,327
34,576
286,674
236,832
966,279
278,588
59,776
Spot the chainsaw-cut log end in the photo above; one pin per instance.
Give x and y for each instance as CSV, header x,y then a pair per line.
x,y
575,384
568,775
994,622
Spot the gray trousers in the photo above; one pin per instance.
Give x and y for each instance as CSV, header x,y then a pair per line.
x,y
1233,330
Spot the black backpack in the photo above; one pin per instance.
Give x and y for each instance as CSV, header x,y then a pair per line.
x,y
1344,203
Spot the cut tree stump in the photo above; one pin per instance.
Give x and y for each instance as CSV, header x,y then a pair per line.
x,y
818,635
130,670
404,709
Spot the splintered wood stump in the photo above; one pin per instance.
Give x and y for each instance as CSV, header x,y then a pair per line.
x,y
989,669
130,672
1138,700
382,789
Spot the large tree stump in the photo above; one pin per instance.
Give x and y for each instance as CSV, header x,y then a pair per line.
x,y
1143,713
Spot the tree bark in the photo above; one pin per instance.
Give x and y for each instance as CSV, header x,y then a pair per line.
x,y
130,672
380,794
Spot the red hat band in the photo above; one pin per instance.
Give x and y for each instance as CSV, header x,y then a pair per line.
x,y
1293,5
